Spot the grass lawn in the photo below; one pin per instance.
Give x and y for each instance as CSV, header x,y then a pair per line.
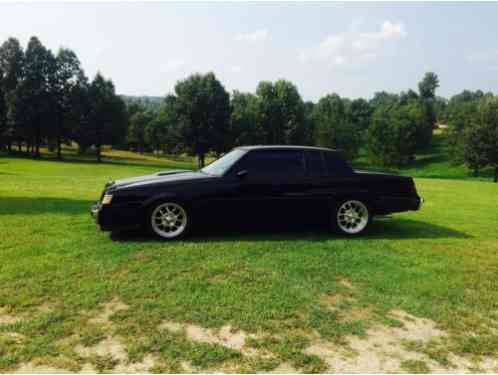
x,y
420,291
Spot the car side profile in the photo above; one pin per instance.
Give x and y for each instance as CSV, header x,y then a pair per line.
x,y
256,185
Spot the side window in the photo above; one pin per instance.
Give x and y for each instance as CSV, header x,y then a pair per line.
x,y
274,163
315,164
336,166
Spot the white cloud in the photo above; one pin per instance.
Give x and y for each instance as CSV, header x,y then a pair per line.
x,y
172,65
353,46
253,37
235,68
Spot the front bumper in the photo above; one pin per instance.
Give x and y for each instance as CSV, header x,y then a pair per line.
x,y
115,217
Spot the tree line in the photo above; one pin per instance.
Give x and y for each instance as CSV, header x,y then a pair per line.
x,y
46,99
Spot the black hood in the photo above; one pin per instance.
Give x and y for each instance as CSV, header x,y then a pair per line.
x,y
156,178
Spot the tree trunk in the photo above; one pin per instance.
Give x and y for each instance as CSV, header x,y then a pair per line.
x,y
19,146
496,173
9,147
99,157
201,160
476,172
59,146
59,151
37,141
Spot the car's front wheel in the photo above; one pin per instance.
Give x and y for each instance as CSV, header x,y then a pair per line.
x,y
352,217
169,220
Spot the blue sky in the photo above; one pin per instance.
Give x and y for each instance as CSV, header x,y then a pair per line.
x,y
353,49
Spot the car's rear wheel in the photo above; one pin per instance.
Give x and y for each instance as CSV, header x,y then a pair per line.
x,y
169,220
352,217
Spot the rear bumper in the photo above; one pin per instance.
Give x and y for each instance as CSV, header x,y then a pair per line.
x,y
387,204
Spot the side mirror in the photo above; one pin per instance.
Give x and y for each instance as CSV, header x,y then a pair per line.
x,y
242,173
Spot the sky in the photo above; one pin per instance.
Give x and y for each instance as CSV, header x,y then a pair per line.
x,y
352,49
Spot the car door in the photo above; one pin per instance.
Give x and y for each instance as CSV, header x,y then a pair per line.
x,y
271,186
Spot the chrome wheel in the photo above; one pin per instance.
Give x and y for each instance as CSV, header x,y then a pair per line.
x,y
352,217
169,220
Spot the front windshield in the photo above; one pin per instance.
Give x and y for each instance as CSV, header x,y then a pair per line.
x,y
223,164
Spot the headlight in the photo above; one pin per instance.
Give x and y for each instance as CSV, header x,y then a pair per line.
x,y
107,199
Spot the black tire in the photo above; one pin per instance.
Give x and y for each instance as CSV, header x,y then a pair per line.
x,y
351,217
168,220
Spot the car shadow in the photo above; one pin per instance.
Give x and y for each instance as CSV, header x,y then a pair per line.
x,y
381,229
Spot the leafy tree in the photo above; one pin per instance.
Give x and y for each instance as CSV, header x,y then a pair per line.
x,y
427,87
309,124
383,98
203,107
281,112
12,65
3,113
108,116
245,127
33,94
480,137
333,127
427,91
65,78
460,112
78,116
392,134
163,132
136,129
360,114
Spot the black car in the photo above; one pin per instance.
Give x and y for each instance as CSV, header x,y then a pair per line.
x,y
256,185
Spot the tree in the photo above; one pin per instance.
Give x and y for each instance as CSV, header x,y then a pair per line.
x,y
245,127
391,135
33,94
460,112
333,128
203,107
108,117
79,112
427,87
137,129
163,132
480,137
65,78
427,91
281,112
12,65
360,113
3,113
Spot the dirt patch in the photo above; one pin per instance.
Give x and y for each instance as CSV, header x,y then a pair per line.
x,y
224,336
284,368
44,308
113,347
6,318
32,368
346,283
108,310
382,349
171,326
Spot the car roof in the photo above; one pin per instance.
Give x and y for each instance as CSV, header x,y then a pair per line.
x,y
283,147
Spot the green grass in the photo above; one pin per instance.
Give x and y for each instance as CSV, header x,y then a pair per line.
x,y
440,263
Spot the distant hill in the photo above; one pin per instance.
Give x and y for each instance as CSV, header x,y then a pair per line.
x,y
150,103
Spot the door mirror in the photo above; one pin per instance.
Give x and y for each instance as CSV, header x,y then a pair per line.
x,y
242,173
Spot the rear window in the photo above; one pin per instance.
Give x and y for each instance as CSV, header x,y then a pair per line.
x,y
336,166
